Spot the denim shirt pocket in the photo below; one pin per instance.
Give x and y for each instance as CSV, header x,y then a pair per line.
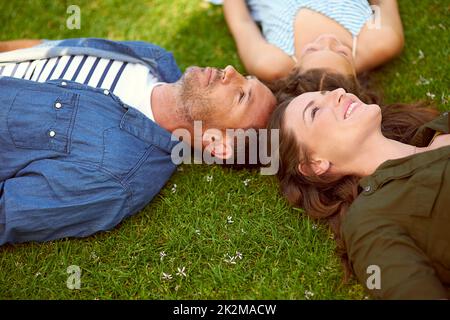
x,y
138,154
122,152
42,119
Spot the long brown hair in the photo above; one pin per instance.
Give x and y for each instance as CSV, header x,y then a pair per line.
x,y
328,197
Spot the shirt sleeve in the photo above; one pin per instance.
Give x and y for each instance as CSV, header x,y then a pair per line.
x,y
51,199
384,250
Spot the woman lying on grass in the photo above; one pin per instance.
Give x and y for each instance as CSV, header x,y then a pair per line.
x,y
379,176
339,36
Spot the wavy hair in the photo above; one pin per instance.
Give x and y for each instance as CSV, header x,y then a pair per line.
x,y
328,197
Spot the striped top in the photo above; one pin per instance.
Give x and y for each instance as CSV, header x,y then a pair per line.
x,y
277,17
131,82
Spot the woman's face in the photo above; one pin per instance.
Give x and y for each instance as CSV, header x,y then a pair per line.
x,y
333,125
327,52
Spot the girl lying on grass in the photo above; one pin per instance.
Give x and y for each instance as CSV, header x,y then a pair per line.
x,y
339,36
378,175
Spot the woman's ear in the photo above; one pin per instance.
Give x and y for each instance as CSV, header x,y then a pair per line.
x,y
317,167
216,144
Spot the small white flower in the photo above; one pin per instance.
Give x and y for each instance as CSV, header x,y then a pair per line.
x,y
181,272
209,178
162,254
246,182
431,95
197,232
423,81
174,188
166,276
230,259
38,274
238,255
444,99
230,219
314,226
442,26
94,255
308,294
420,57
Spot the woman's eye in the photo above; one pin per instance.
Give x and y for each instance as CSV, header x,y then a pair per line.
x,y
313,112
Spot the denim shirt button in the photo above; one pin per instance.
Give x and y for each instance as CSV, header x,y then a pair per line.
x,y
58,105
106,92
52,133
367,188
64,83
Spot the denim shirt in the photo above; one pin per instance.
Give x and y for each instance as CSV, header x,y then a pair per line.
x,y
75,160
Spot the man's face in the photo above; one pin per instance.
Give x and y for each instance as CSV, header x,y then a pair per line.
x,y
225,99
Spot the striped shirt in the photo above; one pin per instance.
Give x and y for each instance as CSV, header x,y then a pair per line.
x,y
277,17
131,82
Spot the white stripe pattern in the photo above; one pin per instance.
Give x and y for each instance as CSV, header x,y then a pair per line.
x,y
85,69
277,17
46,72
20,72
60,67
132,82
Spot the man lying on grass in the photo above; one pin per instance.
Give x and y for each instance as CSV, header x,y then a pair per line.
x,y
86,130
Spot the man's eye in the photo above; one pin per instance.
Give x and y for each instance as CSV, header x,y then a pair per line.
x,y
241,96
313,112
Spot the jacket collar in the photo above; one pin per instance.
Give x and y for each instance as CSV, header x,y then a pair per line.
x,y
404,167
426,132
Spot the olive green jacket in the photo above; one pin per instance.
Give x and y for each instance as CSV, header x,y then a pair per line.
x,y
397,231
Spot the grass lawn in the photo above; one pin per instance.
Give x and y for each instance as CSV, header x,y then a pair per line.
x,y
230,230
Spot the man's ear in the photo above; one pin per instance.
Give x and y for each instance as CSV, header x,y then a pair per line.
x,y
215,143
317,167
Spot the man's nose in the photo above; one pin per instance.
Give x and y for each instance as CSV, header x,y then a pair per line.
x,y
230,73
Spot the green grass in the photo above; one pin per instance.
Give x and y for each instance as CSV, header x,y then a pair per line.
x,y
284,254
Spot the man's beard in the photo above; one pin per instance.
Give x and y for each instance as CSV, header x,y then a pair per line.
x,y
194,103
